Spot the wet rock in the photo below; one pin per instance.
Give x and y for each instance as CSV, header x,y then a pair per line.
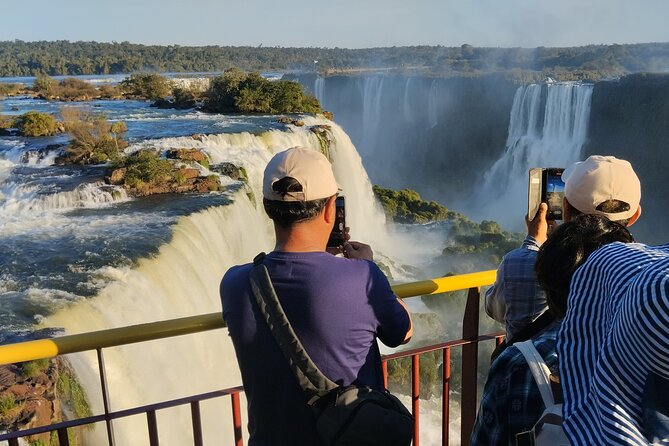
x,y
186,155
117,176
230,170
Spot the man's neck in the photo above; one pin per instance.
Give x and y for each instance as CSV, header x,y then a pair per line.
x,y
299,238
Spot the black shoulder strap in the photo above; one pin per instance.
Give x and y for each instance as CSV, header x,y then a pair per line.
x,y
310,378
525,334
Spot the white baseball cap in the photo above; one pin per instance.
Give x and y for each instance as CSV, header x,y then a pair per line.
x,y
310,168
601,178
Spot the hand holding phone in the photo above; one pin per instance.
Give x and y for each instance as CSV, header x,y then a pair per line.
x,y
338,234
545,186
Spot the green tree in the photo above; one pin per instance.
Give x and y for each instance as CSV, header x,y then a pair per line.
x,y
146,86
94,139
44,85
36,124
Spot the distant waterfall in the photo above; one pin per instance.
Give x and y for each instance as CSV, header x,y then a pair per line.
x,y
548,128
319,89
372,89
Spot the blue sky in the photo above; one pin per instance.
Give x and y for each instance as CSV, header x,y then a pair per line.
x,y
342,23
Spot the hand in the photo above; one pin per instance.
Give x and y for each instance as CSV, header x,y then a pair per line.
x,y
357,250
334,250
538,228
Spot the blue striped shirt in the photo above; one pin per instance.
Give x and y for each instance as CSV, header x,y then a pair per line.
x,y
615,333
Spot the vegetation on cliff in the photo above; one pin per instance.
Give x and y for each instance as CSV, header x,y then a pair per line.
x,y
239,92
475,245
38,393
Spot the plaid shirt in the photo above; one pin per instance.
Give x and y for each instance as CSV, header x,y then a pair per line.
x,y
516,299
511,401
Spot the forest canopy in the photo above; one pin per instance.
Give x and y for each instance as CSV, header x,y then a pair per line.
x,y
19,58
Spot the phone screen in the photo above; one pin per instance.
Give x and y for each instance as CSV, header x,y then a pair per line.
x,y
554,193
337,234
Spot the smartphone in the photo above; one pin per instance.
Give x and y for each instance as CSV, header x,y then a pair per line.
x,y
337,235
545,186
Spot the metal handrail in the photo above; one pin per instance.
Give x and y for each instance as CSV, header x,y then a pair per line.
x,y
48,348
98,340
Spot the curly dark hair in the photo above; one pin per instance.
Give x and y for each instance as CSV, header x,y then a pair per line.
x,y
568,248
287,213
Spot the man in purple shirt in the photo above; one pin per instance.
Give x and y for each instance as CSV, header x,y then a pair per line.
x,y
338,306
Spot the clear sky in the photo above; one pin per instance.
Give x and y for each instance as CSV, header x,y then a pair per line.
x,y
342,23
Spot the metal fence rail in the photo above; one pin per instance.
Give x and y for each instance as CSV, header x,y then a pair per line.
x,y
99,340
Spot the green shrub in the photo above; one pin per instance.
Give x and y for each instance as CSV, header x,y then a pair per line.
x,y
239,92
145,167
7,122
94,139
75,89
10,89
33,368
146,86
36,124
44,85
8,404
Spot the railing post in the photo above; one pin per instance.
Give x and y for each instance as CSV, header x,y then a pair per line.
x,y
446,396
470,332
197,423
237,419
153,428
384,369
105,397
63,439
415,397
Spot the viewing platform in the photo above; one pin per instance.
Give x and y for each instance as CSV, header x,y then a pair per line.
x,y
100,340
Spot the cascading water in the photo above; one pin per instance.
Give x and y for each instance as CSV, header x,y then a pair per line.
x,y
182,280
548,128
372,90
319,88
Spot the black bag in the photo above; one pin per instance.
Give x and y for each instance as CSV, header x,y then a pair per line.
x,y
352,415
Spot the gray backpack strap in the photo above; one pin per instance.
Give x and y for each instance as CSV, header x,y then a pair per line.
x,y
539,370
310,378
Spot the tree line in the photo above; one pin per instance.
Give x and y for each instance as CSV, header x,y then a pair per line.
x,y
19,58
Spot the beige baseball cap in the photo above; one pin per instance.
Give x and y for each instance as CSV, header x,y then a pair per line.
x,y
600,178
309,167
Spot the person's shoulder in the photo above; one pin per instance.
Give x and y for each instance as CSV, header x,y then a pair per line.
x,y
236,273
520,254
512,361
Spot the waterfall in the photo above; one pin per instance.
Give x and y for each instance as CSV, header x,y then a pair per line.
x,y
433,104
409,115
319,89
182,280
372,90
547,128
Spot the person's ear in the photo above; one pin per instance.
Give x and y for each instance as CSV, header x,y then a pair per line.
x,y
330,210
634,217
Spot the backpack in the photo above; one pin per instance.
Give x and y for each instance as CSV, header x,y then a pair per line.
x,y
548,430
345,416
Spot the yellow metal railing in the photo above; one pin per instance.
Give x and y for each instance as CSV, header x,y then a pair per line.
x,y
99,340
48,348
